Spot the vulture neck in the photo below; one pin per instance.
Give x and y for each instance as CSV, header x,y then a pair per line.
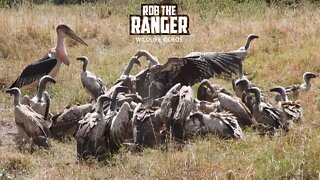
x,y
152,60
85,65
285,98
128,68
248,43
241,70
284,95
258,97
306,84
60,49
48,102
17,99
114,101
100,107
41,90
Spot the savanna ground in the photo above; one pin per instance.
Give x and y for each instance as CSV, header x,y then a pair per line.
x,y
288,46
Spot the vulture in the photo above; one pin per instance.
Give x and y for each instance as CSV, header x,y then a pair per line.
x,y
41,102
223,100
207,107
50,63
118,122
158,79
182,111
147,126
140,82
126,72
66,123
240,86
150,125
175,108
93,136
265,114
209,92
125,79
222,124
152,60
235,106
305,86
242,51
226,57
92,84
291,111
32,127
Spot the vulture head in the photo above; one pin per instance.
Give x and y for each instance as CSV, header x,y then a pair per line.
x,y
307,76
282,91
249,39
13,91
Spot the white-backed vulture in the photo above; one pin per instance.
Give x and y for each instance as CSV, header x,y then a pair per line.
x,y
93,136
209,92
66,123
147,126
291,110
237,108
158,79
265,114
92,84
41,102
32,127
240,53
90,137
223,124
305,86
125,79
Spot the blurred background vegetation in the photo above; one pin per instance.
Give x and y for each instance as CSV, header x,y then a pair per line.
x,y
202,3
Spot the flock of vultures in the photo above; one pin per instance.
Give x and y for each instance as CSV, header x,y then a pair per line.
x,y
153,107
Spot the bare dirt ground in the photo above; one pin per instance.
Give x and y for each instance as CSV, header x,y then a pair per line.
x,y
8,132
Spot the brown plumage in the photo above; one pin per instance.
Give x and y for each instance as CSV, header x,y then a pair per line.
x,y
66,123
222,124
264,113
291,110
158,79
238,108
32,127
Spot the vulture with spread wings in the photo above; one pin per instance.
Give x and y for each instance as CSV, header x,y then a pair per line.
x,y
186,71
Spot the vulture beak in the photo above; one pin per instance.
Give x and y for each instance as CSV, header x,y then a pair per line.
x,y
251,90
275,89
9,91
82,58
310,75
279,89
74,36
12,91
48,79
137,61
138,54
253,36
104,98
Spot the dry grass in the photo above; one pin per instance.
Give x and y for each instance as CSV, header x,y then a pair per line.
x,y
287,47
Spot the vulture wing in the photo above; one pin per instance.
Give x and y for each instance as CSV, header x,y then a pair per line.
x,y
187,71
227,62
236,107
121,125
